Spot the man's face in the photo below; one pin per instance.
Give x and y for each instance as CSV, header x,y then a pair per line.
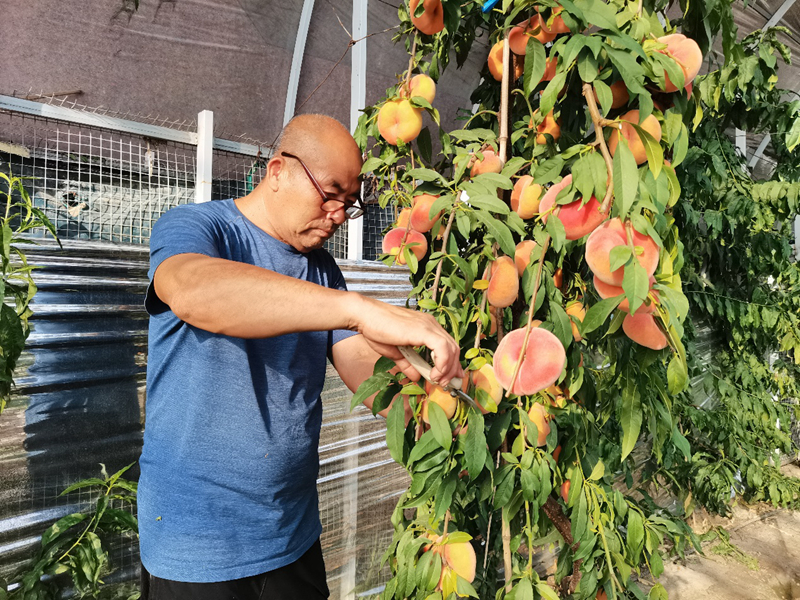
x,y
305,223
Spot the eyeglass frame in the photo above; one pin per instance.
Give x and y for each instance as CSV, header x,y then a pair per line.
x,y
356,207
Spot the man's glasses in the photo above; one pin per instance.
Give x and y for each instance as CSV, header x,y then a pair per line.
x,y
352,209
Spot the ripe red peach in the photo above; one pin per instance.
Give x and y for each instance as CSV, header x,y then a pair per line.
x,y
548,126
565,490
503,283
415,241
490,163
576,311
525,197
607,237
422,86
399,121
650,125
438,395
541,366
686,53
495,62
522,255
518,36
539,415
432,19
485,379
643,330
420,213
578,219
557,24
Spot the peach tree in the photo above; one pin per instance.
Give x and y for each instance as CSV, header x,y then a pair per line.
x,y
543,236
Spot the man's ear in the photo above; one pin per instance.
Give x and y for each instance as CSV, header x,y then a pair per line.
x,y
276,172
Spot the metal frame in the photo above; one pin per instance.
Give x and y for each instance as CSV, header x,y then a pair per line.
x,y
775,18
297,60
205,156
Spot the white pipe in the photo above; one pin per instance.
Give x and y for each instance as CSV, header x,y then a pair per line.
x,y
358,100
205,156
297,60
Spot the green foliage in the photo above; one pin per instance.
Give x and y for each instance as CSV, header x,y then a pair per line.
x,y
16,287
631,423
75,548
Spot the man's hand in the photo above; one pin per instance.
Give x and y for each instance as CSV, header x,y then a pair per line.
x,y
385,327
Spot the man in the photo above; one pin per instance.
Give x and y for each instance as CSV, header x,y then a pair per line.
x,y
245,307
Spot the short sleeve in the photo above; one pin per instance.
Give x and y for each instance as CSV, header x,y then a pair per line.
x,y
184,229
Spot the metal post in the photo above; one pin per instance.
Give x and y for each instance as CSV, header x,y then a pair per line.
x,y
760,151
358,99
297,60
205,156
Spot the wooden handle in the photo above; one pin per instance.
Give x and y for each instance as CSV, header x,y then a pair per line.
x,y
421,365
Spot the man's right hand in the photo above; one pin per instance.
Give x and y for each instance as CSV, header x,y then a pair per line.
x,y
385,327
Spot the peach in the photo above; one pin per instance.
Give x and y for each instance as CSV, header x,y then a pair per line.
x,y
576,311
601,595
490,163
607,237
605,290
420,213
461,558
643,330
519,35
495,62
402,218
422,86
558,278
525,197
399,121
686,53
522,256
539,415
650,125
541,366
438,395
485,379
557,453
503,283
549,69
578,220
557,24
565,490
432,19
415,241
548,126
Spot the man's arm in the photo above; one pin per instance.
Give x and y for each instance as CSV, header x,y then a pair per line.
x,y
246,301
354,360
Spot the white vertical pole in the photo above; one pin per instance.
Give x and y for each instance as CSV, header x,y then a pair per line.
x,y
797,238
205,156
358,100
760,151
297,60
741,142
355,242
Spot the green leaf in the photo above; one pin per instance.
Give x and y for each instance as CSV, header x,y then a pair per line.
x,y
548,171
426,175
631,413
550,93
475,444
522,591
490,203
440,426
396,430
681,443
655,155
598,313
626,179
604,96
677,375
370,386
636,284
371,164
658,592
499,231
62,525
84,483
587,66
535,57
424,144
598,471
634,538
558,234
546,592
619,256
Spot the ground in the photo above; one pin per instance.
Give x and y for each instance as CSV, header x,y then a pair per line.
x,y
760,562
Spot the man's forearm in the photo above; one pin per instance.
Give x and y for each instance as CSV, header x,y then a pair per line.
x,y
245,301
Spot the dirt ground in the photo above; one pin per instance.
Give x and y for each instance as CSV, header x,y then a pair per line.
x,y
760,562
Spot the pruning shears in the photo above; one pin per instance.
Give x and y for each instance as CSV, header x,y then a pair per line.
x,y
421,365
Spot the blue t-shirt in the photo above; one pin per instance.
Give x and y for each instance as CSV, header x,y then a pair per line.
x,y
230,458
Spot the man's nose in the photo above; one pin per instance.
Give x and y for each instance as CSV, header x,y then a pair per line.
x,y
338,216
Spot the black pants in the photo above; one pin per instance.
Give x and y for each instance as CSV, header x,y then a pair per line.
x,y
304,579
